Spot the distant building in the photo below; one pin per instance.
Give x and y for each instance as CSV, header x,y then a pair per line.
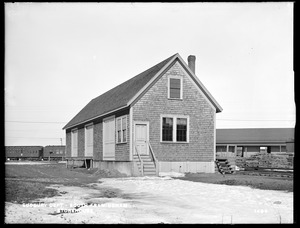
x,y
250,141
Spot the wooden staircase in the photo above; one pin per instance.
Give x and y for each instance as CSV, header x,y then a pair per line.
x,y
147,166
223,166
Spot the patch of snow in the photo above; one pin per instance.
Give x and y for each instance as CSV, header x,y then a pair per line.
x,y
280,170
171,174
157,200
62,162
26,163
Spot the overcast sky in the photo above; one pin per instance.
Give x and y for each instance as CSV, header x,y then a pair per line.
x,y
59,56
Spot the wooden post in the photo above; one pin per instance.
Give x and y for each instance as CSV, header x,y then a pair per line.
x,y
227,148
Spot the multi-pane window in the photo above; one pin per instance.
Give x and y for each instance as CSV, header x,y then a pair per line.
x,y
174,129
175,85
167,129
121,129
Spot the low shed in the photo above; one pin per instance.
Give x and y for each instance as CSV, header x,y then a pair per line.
x,y
249,141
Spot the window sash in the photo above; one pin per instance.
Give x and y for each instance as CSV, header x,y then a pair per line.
x,y
181,134
122,129
167,131
175,83
174,93
124,135
175,88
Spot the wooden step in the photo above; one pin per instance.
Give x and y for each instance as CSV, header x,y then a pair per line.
x,y
224,166
143,158
148,165
150,171
149,168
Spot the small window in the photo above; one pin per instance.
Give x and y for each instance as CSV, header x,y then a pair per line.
x,y
122,129
167,131
175,87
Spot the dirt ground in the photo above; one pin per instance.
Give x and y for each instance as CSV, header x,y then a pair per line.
x,y
259,180
24,183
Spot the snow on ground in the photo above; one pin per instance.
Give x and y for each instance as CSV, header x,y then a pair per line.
x,y
280,170
171,174
62,162
27,163
156,200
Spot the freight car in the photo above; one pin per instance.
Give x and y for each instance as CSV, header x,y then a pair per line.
x,y
34,153
24,152
56,153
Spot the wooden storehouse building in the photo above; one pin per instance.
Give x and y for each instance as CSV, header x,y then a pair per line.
x,y
249,141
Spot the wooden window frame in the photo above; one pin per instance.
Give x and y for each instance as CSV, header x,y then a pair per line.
x,y
174,136
121,130
181,86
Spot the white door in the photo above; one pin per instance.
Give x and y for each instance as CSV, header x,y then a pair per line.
x,y
74,143
89,142
109,139
141,138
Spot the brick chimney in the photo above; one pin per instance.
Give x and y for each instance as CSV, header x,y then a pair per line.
x,y
191,62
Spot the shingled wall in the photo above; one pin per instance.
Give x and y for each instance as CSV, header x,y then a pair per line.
x,y
201,116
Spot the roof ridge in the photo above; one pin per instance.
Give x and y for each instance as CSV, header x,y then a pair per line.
x,y
134,77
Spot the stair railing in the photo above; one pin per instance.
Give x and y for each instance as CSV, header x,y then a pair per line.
x,y
154,158
141,161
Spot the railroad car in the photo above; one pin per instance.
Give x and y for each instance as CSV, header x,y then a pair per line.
x,y
35,152
24,152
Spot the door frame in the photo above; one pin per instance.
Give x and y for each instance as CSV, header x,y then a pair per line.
x,y
103,133
147,131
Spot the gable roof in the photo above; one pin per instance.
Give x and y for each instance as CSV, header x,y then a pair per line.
x,y
254,135
124,94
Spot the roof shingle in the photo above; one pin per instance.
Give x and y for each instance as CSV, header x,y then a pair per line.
x,y
117,97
